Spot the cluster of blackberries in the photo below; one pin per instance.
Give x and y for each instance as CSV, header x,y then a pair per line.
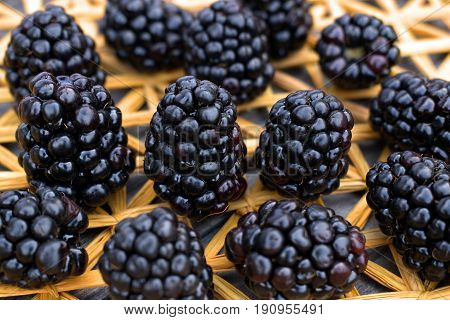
x,y
291,251
39,238
73,138
413,113
156,257
49,41
302,150
195,152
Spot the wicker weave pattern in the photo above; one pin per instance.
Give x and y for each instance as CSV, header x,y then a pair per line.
x,y
418,39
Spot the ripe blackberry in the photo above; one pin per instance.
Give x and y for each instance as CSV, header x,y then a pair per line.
x,y
156,257
146,33
39,238
227,45
195,152
413,113
288,23
302,150
291,251
357,51
73,138
51,41
410,195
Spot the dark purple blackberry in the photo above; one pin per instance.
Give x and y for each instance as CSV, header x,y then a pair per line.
x,y
288,23
49,41
357,51
291,251
227,45
410,195
146,33
73,138
413,113
195,152
39,238
302,150
156,257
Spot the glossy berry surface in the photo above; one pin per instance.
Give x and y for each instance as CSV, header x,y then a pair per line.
x,y
73,138
50,41
146,33
39,238
410,196
195,152
288,23
156,257
357,51
413,113
227,45
302,150
291,251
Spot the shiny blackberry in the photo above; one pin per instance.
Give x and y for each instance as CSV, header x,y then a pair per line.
x,y
156,257
288,23
73,138
146,33
410,196
357,51
195,152
302,150
50,41
291,251
413,113
227,45
40,238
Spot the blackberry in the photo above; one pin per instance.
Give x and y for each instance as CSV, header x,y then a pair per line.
x,y
156,257
73,138
410,195
146,33
39,238
291,251
357,51
288,23
227,45
413,113
195,152
51,41
302,150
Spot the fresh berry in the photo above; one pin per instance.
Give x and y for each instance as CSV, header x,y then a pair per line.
x,y
73,138
302,150
291,251
410,196
195,152
413,113
39,238
146,33
227,45
357,51
156,257
288,23
50,41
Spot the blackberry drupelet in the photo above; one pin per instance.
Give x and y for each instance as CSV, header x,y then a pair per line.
x,y
227,45
302,150
288,23
357,51
156,257
146,33
195,152
39,238
410,195
73,138
413,113
49,41
291,251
